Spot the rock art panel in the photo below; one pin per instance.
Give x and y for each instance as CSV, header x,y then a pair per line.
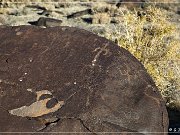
x,y
64,79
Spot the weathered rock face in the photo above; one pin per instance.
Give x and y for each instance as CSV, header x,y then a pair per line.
x,y
65,79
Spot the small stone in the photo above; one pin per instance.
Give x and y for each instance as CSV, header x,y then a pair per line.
x,y
80,13
13,12
47,22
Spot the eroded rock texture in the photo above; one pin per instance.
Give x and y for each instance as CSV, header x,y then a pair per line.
x,y
65,79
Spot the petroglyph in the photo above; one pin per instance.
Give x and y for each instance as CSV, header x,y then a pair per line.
x,y
37,108
103,50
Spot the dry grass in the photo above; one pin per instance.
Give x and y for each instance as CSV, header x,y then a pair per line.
x,y
101,18
149,36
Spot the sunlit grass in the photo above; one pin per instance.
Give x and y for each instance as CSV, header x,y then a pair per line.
x,y
149,36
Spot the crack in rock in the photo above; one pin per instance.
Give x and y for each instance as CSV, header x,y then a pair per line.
x,y
80,120
48,123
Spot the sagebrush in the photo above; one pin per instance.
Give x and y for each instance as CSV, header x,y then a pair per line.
x,y
150,37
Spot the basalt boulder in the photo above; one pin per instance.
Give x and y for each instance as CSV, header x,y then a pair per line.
x,y
64,79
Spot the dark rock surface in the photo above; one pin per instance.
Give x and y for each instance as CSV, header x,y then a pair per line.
x,y
80,13
46,22
95,85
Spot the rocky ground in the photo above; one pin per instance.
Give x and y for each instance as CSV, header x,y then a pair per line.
x,y
102,17
98,17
